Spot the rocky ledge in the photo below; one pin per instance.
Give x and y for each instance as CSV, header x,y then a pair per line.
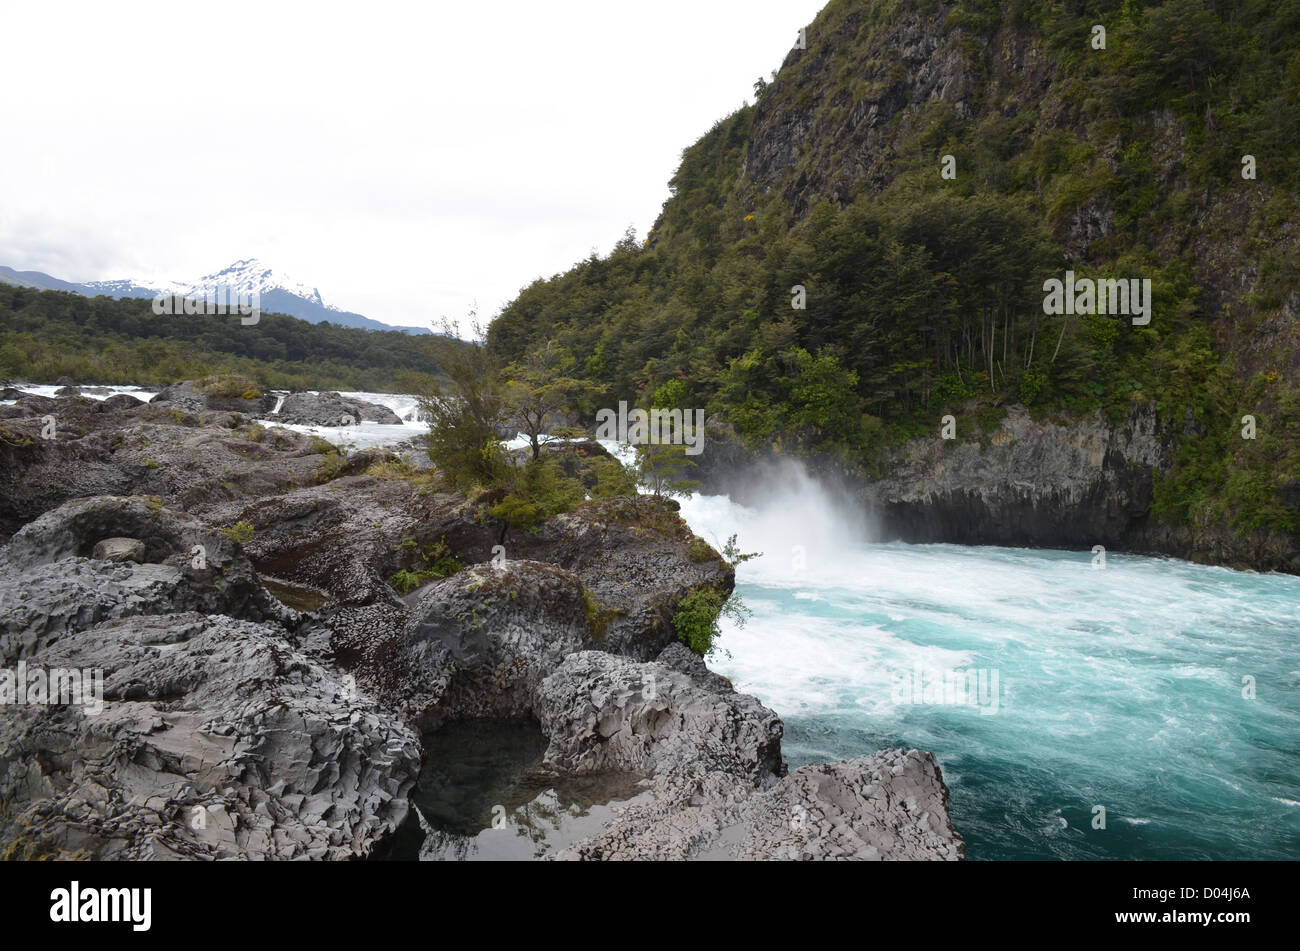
x,y
228,724
1052,482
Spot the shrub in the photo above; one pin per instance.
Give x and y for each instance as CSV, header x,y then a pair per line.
x,y
430,563
230,385
696,620
612,480
240,532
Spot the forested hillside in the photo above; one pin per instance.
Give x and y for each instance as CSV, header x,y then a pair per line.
x,y
1172,154
47,335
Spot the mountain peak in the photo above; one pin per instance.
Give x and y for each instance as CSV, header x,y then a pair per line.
x,y
251,275
278,293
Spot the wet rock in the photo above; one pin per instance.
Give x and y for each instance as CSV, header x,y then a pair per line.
x,y
892,805
331,409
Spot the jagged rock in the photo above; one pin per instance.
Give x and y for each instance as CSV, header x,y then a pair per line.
x,y
891,805
606,713
637,559
33,404
112,448
195,396
477,644
51,585
216,740
1037,483
682,659
345,538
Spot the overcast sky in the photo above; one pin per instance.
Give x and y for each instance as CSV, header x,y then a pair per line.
x,y
407,160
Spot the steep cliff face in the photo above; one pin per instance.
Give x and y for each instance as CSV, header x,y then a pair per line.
x,y
827,127
1042,484
1064,484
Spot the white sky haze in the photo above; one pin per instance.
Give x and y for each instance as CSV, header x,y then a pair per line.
x,y
408,160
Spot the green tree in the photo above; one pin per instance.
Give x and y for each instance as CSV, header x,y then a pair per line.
x,y
465,415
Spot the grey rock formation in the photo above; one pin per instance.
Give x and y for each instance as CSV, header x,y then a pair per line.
x,y
343,538
195,397
215,740
122,447
119,401
120,549
331,409
892,805
606,713
638,560
1035,483
477,644
52,586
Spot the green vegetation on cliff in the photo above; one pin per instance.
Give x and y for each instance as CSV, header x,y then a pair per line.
x,y
924,293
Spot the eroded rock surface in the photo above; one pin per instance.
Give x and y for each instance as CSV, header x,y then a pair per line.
x,y
892,805
215,740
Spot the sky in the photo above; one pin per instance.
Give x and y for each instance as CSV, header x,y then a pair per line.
x,y
412,161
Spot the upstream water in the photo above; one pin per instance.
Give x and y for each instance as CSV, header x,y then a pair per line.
x,y
1123,687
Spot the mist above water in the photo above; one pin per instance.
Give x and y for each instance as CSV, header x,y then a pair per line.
x,y
799,523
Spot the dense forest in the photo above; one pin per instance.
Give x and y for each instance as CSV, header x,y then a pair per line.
x,y
49,335
913,176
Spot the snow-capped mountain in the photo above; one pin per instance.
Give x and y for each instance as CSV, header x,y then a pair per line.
x,y
279,293
252,276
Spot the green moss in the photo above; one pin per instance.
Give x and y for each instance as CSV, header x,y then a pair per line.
x,y
699,551
598,616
